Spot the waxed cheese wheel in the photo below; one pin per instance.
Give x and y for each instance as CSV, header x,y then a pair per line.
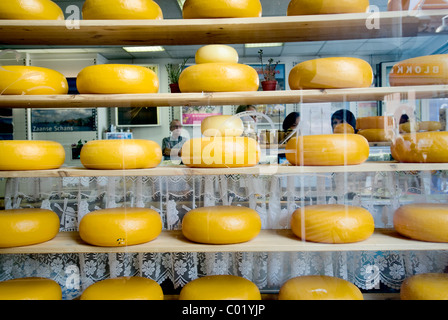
x,y
117,79
121,154
374,122
121,10
219,77
306,7
23,227
319,287
31,155
116,227
221,152
124,288
332,223
222,126
410,126
343,128
331,73
429,126
220,287
423,221
221,224
200,9
216,53
30,10
425,286
26,80
327,150
421,147
31,288
377,135
425,70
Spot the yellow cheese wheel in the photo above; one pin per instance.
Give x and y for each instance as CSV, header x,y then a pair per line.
x,y
121,154
423,221
218,77
343,128
429,126
216,53
124,288
31,155
222,125
221,224
374,122
200,9
327,150
332,223
221,152
116,79
30,10
377,135
421,147
425,70
220,287
410,126
23,227
319,287
20,80
32,288
425,286
121,10
331,73
117,227
306,7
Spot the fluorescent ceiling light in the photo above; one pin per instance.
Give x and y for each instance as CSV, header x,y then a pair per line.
x,y
50,50
259,45
144,49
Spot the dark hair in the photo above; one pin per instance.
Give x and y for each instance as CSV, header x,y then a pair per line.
x,y
290,120
243,108
404,118
346,116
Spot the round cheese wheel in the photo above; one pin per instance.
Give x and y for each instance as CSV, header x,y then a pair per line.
x,y
31,155
377,135
117,227
222,125
343,128
24,80
218,77
327,150
426,70
117,79
306,7
221,224
429,126
32,288
423,221
121,10
374,122
220,287
397,5
124,288
200,9
221,152
425,286
23,227
30,10
121,154
317,287
332,223
331,73
216,53
421,147
410,126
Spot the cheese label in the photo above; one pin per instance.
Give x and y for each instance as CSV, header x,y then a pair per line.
x,y
417,69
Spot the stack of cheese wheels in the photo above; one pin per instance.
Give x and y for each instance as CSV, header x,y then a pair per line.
x,y
429,125
25,80
117,227
116,79
331,73
217,70
317,287
376,128
425,286
30,10
121,10
221,224
23,227
200,9
327,150
343,128
425,70
32,288
332,223
124,288
421,147
121,154
31,155
220,287
222,126
423,221
307,7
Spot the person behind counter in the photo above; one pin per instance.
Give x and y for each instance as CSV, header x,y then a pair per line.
x,y
341,116
172,145
249,122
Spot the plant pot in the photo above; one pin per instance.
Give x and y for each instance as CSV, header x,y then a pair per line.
x,y
269,85
174,87
76,153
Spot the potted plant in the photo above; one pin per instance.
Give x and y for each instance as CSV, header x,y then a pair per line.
x,y
174,71
268,72
76,149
